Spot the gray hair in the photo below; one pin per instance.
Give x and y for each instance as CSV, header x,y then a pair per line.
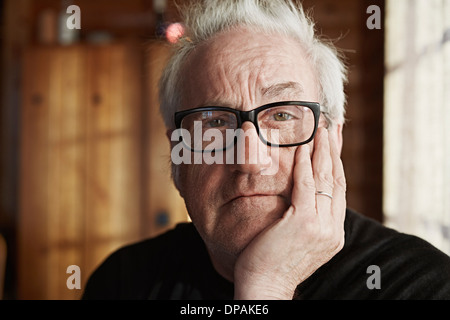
x,y
204,19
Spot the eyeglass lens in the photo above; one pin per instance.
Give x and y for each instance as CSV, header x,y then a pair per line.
x,y
280,125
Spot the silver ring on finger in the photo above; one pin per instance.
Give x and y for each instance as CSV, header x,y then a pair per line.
x,y
322,193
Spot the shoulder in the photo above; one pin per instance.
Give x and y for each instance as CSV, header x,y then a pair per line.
x,y
127,272
407,267
163,244
370,236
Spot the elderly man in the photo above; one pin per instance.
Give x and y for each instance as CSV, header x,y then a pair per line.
x,y
251,78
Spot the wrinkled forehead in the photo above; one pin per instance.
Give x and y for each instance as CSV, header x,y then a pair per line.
x,y
243,69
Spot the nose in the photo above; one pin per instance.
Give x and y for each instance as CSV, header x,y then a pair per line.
x,y
251,154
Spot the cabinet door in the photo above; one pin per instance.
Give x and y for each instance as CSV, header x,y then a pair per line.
x,y
113,211
52,176
80,163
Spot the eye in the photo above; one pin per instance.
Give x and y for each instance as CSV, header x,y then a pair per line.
x,y
215,123
282,116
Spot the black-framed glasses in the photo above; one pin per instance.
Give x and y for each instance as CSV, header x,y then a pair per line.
x,y
278,124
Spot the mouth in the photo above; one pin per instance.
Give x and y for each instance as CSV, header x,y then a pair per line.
x,y
255,195
252,196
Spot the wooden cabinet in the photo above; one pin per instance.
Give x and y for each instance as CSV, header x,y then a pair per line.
x,y
94,161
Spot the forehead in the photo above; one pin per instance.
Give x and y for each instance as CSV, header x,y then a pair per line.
x,y
242,68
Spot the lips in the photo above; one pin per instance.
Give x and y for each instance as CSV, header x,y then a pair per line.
x,y
251,195
243,187
254,195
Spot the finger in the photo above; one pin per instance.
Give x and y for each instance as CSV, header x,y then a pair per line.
x,y
303,182
339,181
323,170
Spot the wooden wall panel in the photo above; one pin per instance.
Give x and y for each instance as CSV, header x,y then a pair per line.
x,y
33,262
114,107
81,163
73,162
53,188
98,202
66,154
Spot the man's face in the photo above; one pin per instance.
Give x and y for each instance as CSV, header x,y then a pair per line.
x,y
231,203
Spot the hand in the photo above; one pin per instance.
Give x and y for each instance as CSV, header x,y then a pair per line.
x,y
308,235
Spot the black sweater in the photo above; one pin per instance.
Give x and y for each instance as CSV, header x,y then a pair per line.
x,y
176,265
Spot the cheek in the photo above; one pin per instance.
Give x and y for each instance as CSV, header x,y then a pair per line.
x,y
287,160
195,183
284,177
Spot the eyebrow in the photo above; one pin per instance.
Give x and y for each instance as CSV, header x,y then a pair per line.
x,y
282,88
271,92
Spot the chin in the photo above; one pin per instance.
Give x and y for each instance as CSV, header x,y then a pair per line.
x,y
240,221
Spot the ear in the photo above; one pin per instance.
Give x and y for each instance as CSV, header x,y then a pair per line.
x,y
174,168
169,137
169,133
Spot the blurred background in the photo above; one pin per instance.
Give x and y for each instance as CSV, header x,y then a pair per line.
x,y
85,165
